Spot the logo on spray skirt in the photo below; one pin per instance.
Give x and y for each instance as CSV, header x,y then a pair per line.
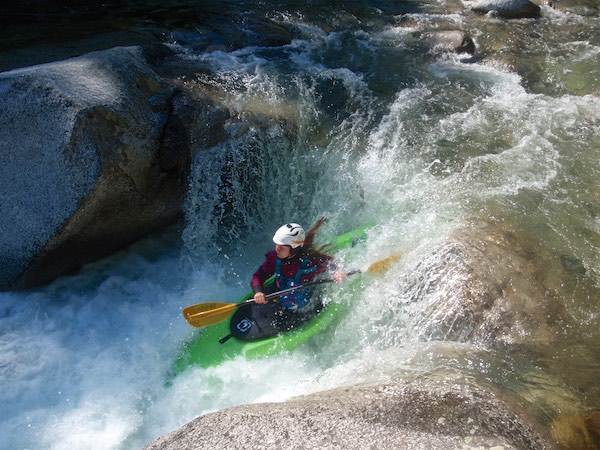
x,y
244,325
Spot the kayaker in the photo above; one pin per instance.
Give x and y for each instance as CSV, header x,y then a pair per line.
x,y
294,261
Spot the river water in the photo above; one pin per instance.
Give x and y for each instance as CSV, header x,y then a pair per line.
x,y
355,119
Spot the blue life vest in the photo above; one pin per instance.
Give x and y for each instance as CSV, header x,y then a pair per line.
x,y
295,300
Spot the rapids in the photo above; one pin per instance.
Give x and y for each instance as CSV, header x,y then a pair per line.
x,y
352,119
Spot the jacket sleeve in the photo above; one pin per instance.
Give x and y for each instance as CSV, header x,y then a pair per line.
x,y
266,269
325,265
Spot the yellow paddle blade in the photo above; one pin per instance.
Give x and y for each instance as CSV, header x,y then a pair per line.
x,y
201,307
204,314
383,265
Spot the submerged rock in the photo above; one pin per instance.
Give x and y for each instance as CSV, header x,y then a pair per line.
x,y
81,167
456,41
488,284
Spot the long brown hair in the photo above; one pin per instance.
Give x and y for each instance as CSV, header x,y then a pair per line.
x,y
309,249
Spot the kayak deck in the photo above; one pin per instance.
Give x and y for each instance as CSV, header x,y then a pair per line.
x,y
206,350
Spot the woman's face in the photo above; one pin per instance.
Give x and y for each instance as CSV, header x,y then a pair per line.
x,y
283,251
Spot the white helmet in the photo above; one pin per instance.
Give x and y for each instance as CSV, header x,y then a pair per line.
x,y
290,234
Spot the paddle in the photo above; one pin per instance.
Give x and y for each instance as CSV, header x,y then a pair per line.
x,y
204,314
209,313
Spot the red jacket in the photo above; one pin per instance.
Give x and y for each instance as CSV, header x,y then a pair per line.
x,y
289,267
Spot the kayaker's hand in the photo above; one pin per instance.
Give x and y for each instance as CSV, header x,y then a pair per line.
x,y
339,276
260,298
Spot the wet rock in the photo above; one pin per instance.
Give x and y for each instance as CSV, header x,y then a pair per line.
x,y
586,8
456,41
396,415
508,9
196,122
580,432
572,264
81,167
489,285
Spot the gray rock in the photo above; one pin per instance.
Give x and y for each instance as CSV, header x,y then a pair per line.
x,y
80,163
509,9
395,415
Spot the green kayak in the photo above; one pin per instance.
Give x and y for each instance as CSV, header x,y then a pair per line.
x,y
209,348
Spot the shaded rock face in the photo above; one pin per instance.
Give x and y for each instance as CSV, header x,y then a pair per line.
x,y
81,162
396,415
40,31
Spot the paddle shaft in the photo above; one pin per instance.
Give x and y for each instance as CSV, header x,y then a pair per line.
x,y
302,286
284,291
204,314
277,294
